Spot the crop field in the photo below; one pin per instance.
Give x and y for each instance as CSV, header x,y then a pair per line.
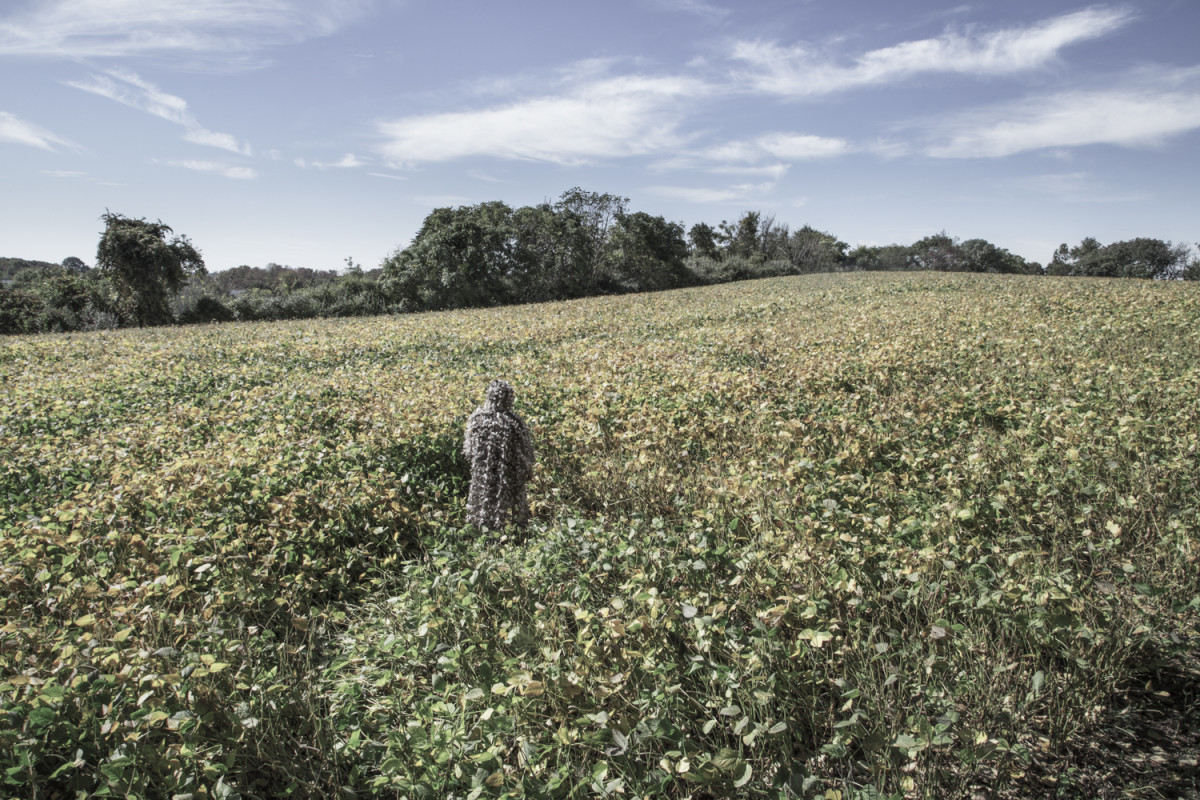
x,y
853,536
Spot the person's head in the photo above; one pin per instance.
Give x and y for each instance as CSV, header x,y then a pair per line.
x,y
499,396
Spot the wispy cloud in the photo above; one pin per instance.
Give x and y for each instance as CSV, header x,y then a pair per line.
x,y
772,171
615,117
699,194
1073,187
784,146
1131,116
480,175
65,174
231,29
698,7
18,131
223,141
129,89
348,161
217,168
800,71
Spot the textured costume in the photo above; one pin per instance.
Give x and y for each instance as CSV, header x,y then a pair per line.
x,y
500,450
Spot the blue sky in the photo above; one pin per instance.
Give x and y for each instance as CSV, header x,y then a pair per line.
x,y
307,131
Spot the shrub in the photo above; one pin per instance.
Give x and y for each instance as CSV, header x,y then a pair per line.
x,y
19,311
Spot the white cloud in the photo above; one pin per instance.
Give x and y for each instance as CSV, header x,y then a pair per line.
x,y
226,29
772,171
788,147
129,89
217,168
610,118
224,141
18,131
1127,117
388,176
799,71
480,175
348,161
63,173
698,194
798,147
697,7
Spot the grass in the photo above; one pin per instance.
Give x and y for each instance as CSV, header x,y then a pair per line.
x,y
834,536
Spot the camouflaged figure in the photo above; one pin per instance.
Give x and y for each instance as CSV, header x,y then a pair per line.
x,y
500,450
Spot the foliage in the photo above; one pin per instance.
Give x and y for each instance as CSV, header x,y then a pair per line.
x,y
459,258
19,311
145,269
1135,258
647,253
488,254
876,535
892,257
703,241
810,250
12,268
1192,271
57,300
75,264
273,277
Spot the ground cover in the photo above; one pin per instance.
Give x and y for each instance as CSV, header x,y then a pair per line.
x,y
833,536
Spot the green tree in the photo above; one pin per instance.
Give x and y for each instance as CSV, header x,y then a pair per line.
x,y
742,238
703,238
461,257
1191,272
1134,258
144,268
552,257
811,250
647,253
938,252
1146,258
595,214
1078,260
891,257
980,255
19,311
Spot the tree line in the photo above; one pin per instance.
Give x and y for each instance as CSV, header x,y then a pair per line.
x,y
580,245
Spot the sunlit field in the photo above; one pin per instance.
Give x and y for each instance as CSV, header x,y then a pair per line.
x,y
899,535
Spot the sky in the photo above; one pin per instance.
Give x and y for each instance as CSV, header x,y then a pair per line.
x,y
307,132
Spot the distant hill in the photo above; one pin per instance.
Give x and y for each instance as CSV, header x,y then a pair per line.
x,y
11,267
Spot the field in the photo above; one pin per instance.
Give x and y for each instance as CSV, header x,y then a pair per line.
x,y
871,535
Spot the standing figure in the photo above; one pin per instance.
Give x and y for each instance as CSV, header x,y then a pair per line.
x,y
500,450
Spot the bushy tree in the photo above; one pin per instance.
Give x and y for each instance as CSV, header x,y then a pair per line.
x,y
144,267
703,239
938,252
811,250
459,258
489,254
890,257
1135,258
553,255
19,311
741,239
647,253
1191,272
980,255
